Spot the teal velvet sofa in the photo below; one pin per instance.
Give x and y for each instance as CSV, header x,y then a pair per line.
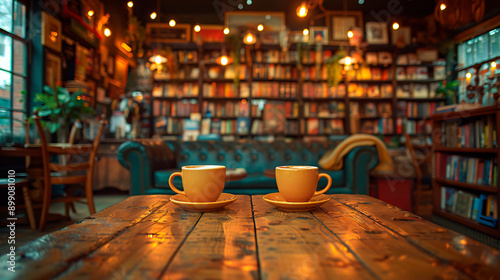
x,y
151,162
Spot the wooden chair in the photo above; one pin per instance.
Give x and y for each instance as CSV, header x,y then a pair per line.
x,y
66,170
21,180
423,159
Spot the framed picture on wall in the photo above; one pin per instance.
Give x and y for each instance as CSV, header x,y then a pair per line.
x,y
53,66
401,37
164,33
376,33
51,32
340,22
209,33
318,34
121,70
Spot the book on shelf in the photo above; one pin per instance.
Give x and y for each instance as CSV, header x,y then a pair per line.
x,y
478,133
439,72
384,58
384,109
422,73
257,127
386,91
373,91
400,73
413,59
376,73
243,125
312,126
371,58
191,130
402,59
420,91
274,117
403,91
370,110
205,126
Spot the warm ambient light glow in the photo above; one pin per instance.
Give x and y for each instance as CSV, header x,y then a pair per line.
x,y
249,38
90,13
223,60
197,28
172,23
395,26
130,4
153,15
126,47
260,27
107,32
305,32
442,6
347,60
302,10
468,75
493,64
226,30
350,34
158,59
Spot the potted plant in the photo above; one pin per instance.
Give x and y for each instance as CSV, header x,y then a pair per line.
x,y
448,90
59,108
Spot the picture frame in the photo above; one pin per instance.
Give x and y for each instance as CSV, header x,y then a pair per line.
x,y
340,22
376,33
401,37
53,68
164,33
318,34
51,32
269,37
121,70
209,33
244,20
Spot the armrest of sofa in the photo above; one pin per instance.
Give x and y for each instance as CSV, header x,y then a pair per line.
x,y
142,157
357,165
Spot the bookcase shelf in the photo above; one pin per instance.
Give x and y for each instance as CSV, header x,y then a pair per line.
x,y
457,200
268,71
482,188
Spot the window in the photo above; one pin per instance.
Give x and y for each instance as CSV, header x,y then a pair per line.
x,y
13,70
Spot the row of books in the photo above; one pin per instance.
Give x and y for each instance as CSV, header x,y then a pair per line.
x,y
227,72
416,109
176,90
467,169
330,109
225,109
364,90
168,125
313,56
380,126
322,90
187,56
181,108
480,133
287,127
274,90
417,90
377,58
272,71
414,127
220,90
370,109
482,208
420,73
275,56
319,126
365,72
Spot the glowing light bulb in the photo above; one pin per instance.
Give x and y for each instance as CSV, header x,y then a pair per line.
x,y
350,34
90,13
172,23
302,10
130,4
347,60
224,60
197,28
493,64
468,75
153,15
395,26
305,32
226,30
107,32
442,6
158,59
260,27
249,38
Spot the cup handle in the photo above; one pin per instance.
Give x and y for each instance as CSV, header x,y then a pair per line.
x,y
171,182
327,186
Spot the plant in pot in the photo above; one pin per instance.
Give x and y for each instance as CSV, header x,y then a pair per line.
x,y
59,108
448,90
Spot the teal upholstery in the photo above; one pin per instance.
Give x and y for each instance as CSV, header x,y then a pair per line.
x,y
152,162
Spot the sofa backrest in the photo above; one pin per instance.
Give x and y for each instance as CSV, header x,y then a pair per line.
x,y
254,156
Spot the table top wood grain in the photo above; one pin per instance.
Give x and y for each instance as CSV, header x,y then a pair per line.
x,y
349,237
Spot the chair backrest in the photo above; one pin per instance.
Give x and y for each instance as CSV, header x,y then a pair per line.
x,y
413,156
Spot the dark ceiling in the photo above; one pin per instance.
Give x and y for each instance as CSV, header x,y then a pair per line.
x,y
211,11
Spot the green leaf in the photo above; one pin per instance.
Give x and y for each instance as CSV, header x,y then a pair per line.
x,y
53,127
44,113
48,90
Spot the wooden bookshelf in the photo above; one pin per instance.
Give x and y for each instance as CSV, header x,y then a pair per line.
x,y
467,164
301,82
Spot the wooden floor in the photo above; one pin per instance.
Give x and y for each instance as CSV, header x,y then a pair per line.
x,y
24,234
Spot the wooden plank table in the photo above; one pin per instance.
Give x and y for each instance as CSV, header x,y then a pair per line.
x,y
349,237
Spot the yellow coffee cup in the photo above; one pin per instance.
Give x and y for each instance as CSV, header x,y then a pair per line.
x,y
299,183
202,183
